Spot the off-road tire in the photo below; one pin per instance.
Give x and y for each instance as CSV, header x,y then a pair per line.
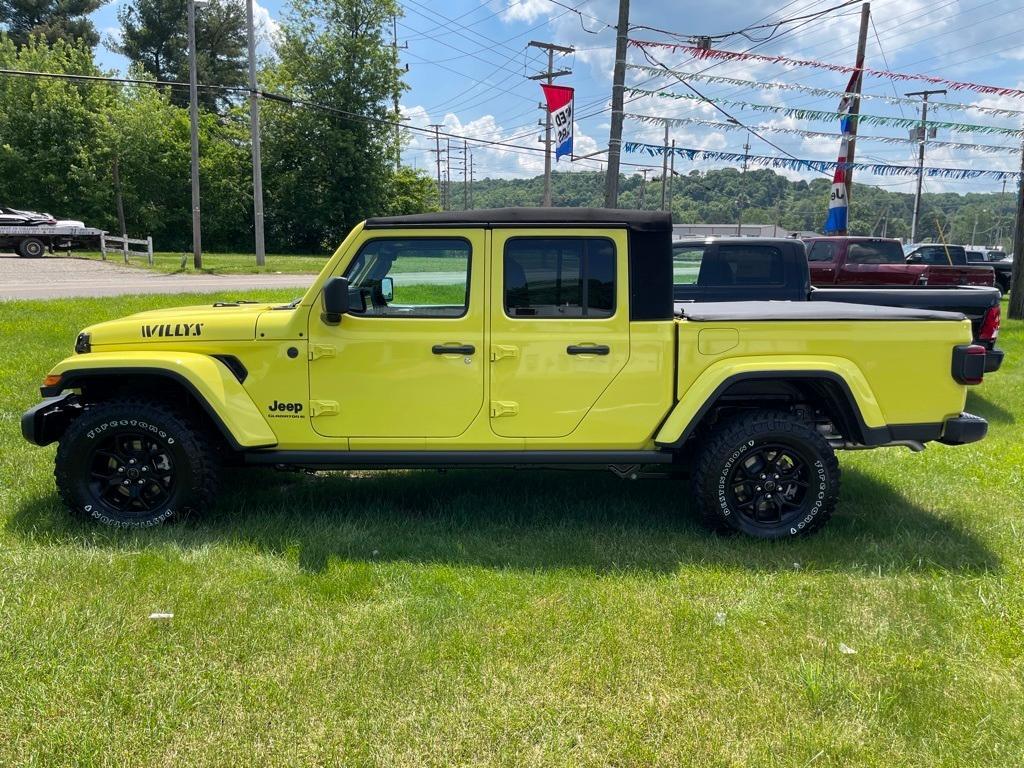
x,y
729,469
151,435
31,248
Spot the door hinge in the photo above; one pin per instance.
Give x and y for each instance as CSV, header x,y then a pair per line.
x,y
324,407
317,351
499,351
503,408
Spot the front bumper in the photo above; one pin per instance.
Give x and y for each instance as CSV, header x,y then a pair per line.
x,y
993,359
963,429
44,423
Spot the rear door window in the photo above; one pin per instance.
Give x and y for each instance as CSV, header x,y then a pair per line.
x,y
564,277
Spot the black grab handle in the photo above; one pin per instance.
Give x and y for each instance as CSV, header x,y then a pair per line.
x,y
588,349
453,349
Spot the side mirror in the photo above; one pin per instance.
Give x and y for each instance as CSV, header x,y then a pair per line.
x,y
913,259
335,299
387,289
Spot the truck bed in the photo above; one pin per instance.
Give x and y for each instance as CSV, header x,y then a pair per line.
x,y
748,311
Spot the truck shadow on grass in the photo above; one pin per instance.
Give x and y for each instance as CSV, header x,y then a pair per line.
x,y
525,520
994,413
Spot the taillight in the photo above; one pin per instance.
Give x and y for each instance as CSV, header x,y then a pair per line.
x,y
969,363
990,324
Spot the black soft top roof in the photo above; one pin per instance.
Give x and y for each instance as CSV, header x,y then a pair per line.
x,y
639,221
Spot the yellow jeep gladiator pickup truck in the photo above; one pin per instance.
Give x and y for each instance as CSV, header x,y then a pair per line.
x,y
515,337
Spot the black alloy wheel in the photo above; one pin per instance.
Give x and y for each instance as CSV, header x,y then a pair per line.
x,y
135,464
132,472
770,484
768,474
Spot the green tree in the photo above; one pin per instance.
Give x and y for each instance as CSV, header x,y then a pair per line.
x,y
154,37
410,191
50,20
49,130
328,166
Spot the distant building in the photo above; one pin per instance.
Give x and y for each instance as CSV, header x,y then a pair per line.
x,y
729,230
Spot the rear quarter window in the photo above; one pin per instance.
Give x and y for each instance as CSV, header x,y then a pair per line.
x,y
740,264
874,253
686,261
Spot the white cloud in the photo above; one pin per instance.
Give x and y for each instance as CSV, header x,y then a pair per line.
x,y
267,27
494,160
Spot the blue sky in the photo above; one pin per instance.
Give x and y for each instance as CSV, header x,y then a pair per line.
x,y
468,61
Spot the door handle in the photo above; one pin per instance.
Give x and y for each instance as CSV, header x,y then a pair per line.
x,y
453,349
588,349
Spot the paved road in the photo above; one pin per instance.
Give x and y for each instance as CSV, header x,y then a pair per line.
x,y
52,278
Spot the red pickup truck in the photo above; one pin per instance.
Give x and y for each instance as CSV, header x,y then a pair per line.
x,y
880,261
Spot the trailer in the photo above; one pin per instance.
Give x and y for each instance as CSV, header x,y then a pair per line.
x,y
33,242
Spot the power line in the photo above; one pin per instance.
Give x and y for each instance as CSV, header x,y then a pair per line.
x,y
650,57
744,32
826,93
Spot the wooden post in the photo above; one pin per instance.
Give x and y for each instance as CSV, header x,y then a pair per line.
x,y
103,245
611,179
865,19
149,249
120,207
1016,307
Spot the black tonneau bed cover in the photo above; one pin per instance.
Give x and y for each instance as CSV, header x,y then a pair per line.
x,y
749,311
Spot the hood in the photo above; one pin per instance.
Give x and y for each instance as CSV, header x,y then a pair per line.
x,y
206,322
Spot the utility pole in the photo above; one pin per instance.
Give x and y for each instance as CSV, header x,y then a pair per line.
x,y
471,180
465,170
865,19
193,99
254,131
550,76
741,200
922,136
448,174
396,95
671,173
611,179
664,167
120,207
1016,308
437,155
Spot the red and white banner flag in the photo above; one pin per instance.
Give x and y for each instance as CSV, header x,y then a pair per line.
x,y
559,98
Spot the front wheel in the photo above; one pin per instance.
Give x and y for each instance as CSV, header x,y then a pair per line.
x,y
135,464
767,474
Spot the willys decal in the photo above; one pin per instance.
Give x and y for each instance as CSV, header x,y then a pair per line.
x,y
172,329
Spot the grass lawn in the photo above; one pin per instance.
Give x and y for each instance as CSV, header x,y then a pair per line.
x,y
245,263
505,618
218,263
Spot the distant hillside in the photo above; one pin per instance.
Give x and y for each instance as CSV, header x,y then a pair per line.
x,y
769,199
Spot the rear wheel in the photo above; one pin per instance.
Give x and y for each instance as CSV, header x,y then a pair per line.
x,y
768,474
135,464
31,248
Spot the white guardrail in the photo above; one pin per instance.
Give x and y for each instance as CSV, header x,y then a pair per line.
x,y
124,245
